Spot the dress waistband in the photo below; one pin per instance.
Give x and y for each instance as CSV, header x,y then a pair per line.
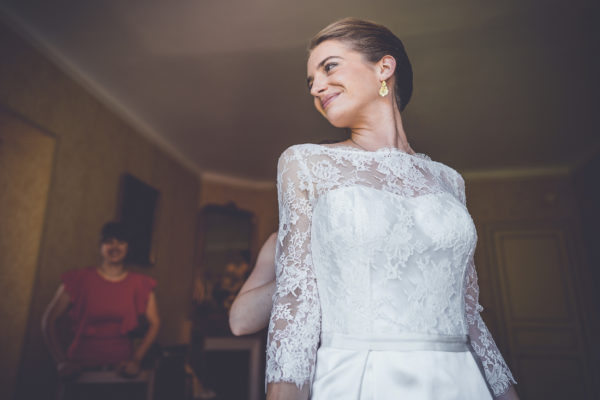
x,y
400,342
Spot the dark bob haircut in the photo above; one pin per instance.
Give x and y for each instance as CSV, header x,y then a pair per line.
x,y
114,230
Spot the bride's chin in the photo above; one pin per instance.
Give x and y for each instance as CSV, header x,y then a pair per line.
x,y
338,124
339,120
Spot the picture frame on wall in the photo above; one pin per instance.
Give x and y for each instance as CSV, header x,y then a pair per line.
x,y
137,211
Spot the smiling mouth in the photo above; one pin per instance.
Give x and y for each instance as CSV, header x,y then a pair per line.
x,y
327,100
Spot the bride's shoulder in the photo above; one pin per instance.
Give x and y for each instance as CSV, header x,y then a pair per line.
x,y
304,148
304,152
451,177
448,170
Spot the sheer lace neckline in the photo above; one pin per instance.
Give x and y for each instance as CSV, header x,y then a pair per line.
x,y
380,151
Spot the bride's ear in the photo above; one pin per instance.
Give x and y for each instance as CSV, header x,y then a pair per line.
x,y
386,67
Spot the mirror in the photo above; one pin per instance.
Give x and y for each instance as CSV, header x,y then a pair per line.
x,y
224,263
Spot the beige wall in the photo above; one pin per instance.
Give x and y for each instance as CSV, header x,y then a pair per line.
x,y
534,281
26,159
93,149
588,199
508,200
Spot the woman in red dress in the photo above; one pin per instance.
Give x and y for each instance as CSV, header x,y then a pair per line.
x,y
104,303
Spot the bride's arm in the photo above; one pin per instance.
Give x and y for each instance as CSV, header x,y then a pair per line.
x,y
251,309
497,373
295,322
510,394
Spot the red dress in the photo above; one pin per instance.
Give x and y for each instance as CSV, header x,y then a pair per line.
x,y
102,314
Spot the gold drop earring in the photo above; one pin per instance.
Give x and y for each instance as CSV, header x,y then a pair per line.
x,y
383,90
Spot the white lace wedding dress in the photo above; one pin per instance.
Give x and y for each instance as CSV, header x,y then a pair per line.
x,y
377,294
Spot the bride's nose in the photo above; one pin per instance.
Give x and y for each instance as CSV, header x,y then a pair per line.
x,y
319,84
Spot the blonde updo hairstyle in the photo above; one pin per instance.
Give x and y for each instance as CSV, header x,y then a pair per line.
x,y
373,41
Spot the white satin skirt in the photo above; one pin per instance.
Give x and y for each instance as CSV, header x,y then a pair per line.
x,y
431,368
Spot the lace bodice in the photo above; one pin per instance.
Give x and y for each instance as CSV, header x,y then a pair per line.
x,y
372,244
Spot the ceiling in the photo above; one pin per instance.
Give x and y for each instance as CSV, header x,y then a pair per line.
x,y
221,84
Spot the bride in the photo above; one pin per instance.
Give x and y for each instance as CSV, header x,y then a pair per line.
x,y
376,294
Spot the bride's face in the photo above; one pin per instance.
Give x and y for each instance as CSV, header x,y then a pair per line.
x,y
342,82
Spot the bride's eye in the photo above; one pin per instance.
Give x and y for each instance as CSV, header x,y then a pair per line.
x,y
329,66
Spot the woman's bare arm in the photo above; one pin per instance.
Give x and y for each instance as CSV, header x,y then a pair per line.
x,y
252,307
286,391
132,367
150,336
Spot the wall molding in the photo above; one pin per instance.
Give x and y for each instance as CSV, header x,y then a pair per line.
x,y
215,177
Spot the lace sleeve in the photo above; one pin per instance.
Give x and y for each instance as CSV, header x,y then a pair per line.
x,y
497,373
296,316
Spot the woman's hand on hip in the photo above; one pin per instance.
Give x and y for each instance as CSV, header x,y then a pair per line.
x,y
129,368
68,369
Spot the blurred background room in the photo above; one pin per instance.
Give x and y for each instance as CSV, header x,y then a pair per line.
x,y
193,101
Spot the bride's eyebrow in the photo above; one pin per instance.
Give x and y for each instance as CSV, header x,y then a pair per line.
x,y
310,78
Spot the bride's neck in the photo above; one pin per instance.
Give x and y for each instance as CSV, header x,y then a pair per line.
x,y
382,128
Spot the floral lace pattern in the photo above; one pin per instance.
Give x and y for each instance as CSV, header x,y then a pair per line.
x,y
372,242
